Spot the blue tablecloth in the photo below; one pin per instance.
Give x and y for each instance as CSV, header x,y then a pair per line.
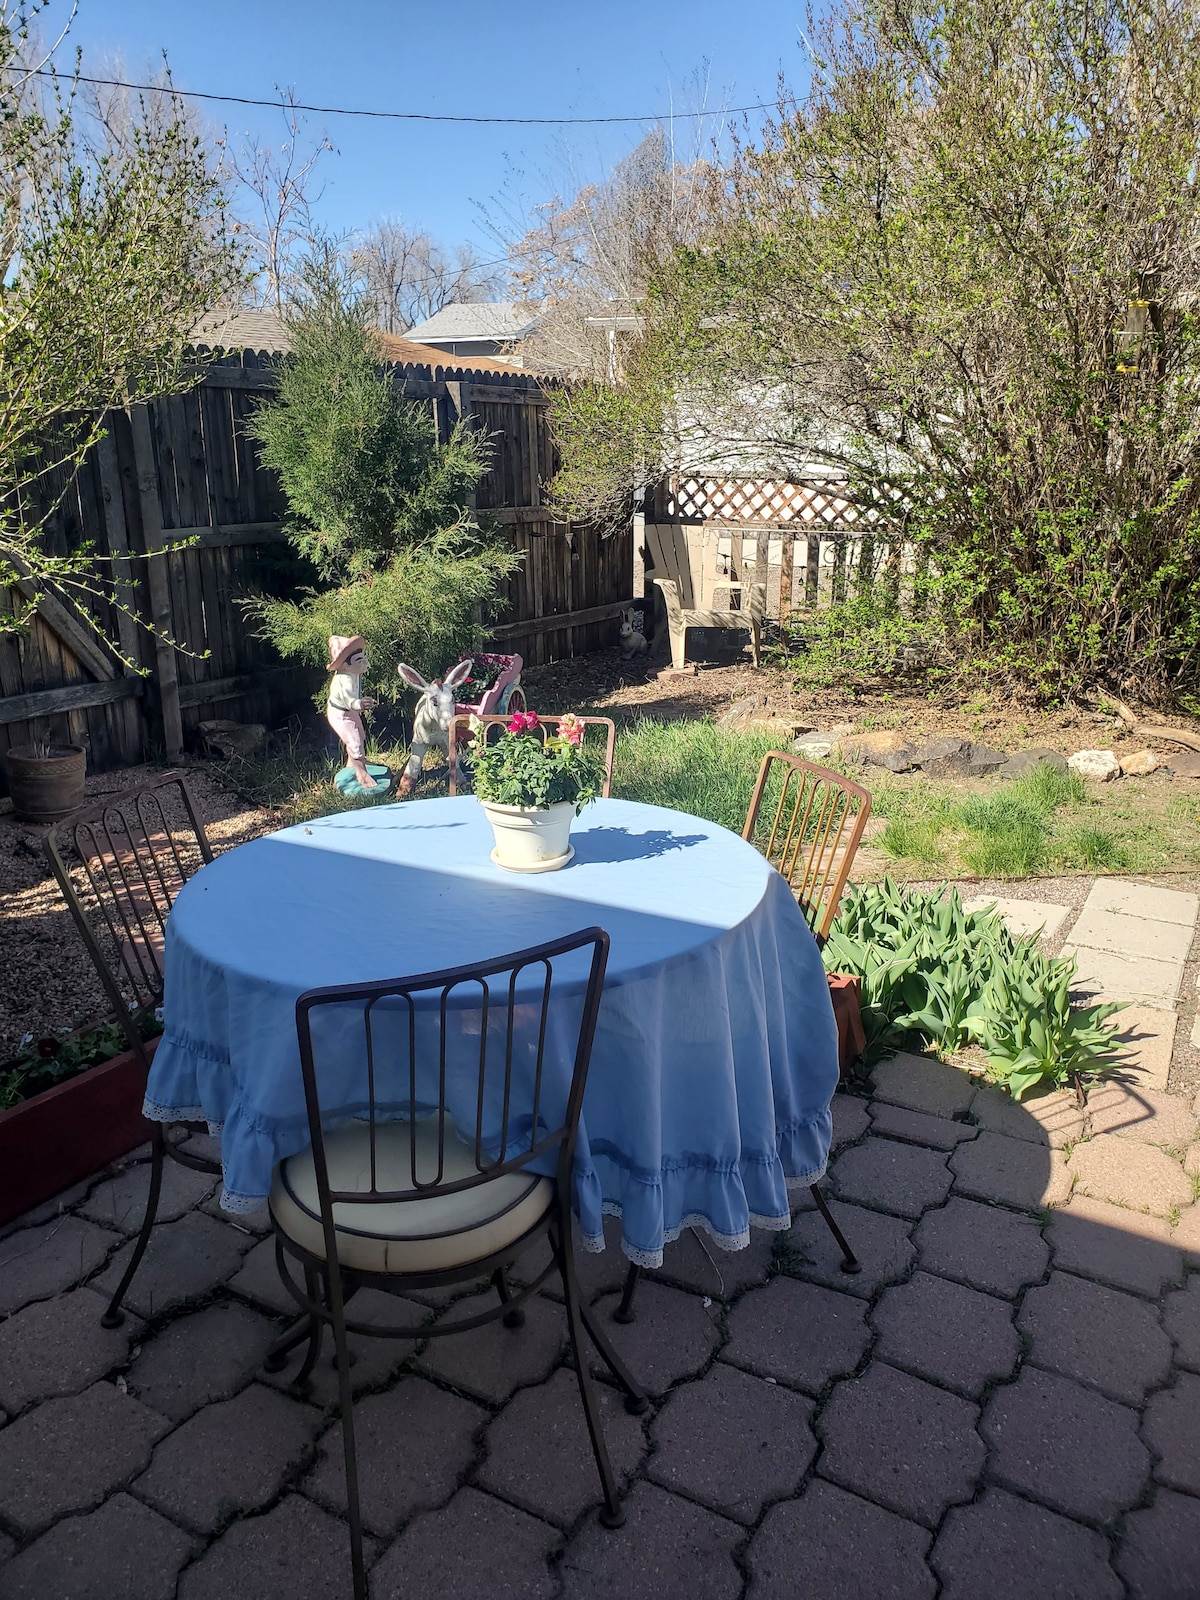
x,y
715,1056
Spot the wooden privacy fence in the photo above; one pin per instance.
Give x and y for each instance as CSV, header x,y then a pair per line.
x,y
808,543
182,470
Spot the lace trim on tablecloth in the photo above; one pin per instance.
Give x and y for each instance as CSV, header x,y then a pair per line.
x,y
153,1112
594,1243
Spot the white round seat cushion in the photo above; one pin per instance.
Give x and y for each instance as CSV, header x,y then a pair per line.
x,y
426,1235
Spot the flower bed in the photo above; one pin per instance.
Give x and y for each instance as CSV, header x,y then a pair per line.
x,y
72,1104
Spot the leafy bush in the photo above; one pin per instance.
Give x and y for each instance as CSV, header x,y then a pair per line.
x,y
935,972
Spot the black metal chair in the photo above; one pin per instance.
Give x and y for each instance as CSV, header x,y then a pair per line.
x,y
402,1198
120,865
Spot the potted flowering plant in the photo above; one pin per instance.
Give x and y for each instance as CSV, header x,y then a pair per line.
x,y
532,782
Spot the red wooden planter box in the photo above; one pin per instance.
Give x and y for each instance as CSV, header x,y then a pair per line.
x,y
68,1132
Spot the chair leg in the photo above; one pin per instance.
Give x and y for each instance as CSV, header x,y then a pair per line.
x,y
114,1316
316,1329
346,1407
613,1513
516,1317
635,1396
625,1311
850,1262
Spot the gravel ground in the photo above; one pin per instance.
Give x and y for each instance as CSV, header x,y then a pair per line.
x,y
46,979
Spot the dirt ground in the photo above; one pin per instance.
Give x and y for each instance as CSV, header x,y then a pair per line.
x,y
628,690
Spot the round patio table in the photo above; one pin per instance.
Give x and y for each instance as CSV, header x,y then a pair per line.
x,y
715,1056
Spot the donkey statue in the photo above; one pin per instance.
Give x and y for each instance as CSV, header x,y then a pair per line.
x,y
433,717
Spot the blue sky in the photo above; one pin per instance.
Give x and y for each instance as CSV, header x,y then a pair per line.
x,y
520,58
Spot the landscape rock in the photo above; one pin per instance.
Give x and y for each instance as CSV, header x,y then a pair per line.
x,y
1141,764
884,748
1099,764
233,740
1026,760
984,761
945,758
817,747
1183,764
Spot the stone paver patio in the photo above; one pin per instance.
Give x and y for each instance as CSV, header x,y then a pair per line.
x,y
1005,1401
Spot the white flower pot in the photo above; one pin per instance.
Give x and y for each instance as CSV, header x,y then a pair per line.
x,y
528,840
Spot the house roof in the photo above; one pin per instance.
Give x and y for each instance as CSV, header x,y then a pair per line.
x,y
243,329
489,319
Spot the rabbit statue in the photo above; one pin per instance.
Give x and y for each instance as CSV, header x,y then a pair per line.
x,y
632,640
432,719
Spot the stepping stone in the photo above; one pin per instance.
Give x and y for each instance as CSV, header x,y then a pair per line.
x,y
1012,1172
1131,1112
1129,1174
1067,1446
1053,1119
1143,900
825,1524
1123,977
1114,1245
1187,1234
1124,933
1147,1040
1171,1428
1158,1554
920,1084
1002,1546
1024,916
1101,1337
984,1246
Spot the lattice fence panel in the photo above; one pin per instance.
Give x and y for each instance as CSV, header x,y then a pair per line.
x,y
815,503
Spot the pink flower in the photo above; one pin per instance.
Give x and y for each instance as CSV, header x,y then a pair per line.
x,y
570,728
523,722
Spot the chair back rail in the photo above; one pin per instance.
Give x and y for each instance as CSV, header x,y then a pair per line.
x,y
546,726
470,994
812,834
120,865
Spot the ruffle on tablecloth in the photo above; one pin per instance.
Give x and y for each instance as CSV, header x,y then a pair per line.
x,y
693,1191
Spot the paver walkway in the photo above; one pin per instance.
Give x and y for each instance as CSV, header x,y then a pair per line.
x,y
1005,1401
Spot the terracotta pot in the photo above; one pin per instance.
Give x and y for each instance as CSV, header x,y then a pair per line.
x,y
68,1132
529,840
45,787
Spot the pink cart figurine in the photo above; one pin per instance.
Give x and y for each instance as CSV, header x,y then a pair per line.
x,y
343,711
503,692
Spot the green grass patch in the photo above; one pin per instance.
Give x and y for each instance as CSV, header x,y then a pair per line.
x,y
690,766
1047,821
914,839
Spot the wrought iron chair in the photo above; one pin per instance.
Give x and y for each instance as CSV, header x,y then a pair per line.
x,y
811,837
120,864
547,726
813,833
402,1198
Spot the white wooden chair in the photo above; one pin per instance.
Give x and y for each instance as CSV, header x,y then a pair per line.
x,y
696,592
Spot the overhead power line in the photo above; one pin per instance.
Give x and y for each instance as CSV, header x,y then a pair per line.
x,y
404,116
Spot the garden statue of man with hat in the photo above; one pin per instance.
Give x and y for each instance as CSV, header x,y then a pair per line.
x,y
343,711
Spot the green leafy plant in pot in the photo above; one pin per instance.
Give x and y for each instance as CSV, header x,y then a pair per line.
x,y
532,783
